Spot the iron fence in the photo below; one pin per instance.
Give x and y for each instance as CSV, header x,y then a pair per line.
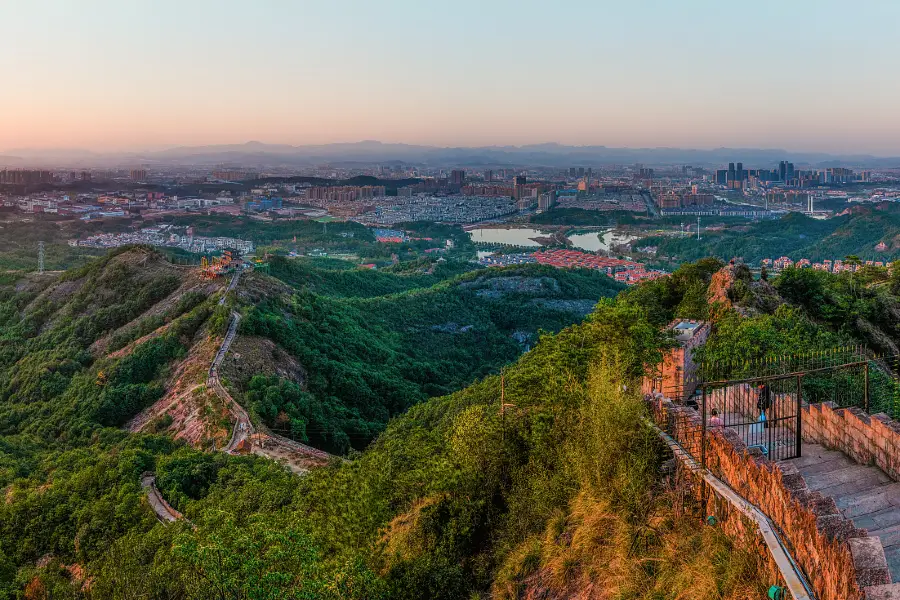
x,y
761,401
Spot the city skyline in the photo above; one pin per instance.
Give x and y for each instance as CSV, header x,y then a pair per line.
x,y
106,76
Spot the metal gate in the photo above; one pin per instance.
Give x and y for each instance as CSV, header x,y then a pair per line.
x,y
763,412
762,401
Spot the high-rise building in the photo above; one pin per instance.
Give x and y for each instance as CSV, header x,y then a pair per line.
x,y
731,172
739,172
138,174
519,182
25,177
457,177
573,172
722,176
489,176
547,200
581,171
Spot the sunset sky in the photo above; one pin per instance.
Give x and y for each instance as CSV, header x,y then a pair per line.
x,y
109,75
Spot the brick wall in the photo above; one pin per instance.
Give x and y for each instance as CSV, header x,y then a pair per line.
x,y
676,377
869,440
841,562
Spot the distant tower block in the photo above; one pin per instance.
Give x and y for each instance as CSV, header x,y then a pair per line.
x,y
40,258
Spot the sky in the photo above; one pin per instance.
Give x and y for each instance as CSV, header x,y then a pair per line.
x,y
138,74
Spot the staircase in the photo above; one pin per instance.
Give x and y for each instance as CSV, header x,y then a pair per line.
x,y
864,495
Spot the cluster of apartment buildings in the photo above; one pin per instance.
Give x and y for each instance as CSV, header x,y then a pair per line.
x,y
600,200
680,199
25,177
438,209
167,236
736,177
832,266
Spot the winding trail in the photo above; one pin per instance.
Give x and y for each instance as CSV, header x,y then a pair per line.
x,y
298,456
164,511
231,285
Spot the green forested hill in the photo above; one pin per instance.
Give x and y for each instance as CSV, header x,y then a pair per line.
x,y
374,343
796,236
459,498
552,493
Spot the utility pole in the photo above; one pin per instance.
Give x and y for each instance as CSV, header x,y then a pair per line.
x,y
698,228
40,258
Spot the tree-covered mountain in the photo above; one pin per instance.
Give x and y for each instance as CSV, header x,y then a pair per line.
x,y
543,482
796,236
552,492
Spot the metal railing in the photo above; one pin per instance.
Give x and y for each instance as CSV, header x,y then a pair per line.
x,y
762,400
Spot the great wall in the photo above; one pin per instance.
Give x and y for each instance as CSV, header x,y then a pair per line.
x,y
245,438
814,488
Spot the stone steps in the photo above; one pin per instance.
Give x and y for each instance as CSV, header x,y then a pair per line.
x,y
881,519
892,555
852,474
864,494
873,500
864,482
889,536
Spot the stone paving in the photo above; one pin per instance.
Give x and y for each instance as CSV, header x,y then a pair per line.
x,y
864,494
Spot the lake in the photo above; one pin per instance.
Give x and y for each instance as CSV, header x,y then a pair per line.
x,y
599,241
518,236
596,241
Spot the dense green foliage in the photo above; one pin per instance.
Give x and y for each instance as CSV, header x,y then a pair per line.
x,y
340,278
795,236
459,496
440,504
335,237
19,242
372,356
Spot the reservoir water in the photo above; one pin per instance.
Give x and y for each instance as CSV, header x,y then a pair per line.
x,y
599,241
595,241
514,236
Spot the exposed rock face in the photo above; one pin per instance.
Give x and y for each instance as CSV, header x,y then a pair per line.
x,y
189,410
253,355
497,287
720,286
582,307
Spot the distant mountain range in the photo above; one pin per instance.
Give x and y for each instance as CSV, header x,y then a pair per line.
x,y
260,155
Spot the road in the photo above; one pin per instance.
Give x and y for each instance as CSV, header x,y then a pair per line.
x,y
651,205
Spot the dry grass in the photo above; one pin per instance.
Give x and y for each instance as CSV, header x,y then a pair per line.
x,y
592,553
402,538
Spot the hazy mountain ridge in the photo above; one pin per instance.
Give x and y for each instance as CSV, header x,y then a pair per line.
x,y
546,154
